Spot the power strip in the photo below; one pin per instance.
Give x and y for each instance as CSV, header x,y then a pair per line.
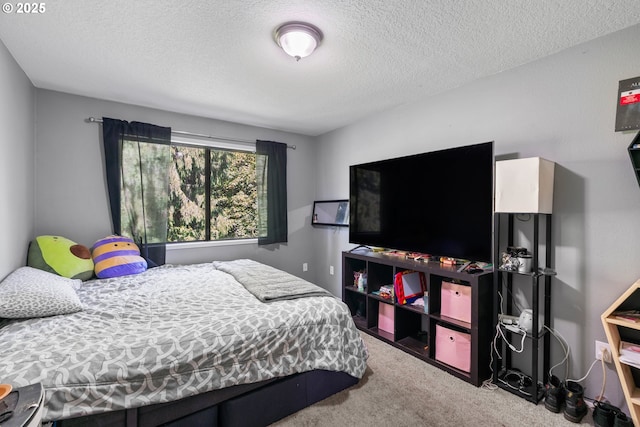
x,y
507,319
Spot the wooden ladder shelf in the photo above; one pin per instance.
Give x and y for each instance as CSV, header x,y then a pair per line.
x,y
612,327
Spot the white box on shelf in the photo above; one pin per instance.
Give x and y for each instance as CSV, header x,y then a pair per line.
x,y
524,185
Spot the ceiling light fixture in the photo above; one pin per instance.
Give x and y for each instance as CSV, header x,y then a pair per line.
x,y
298,39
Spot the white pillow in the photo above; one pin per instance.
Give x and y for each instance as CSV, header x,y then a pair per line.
x,y
30,292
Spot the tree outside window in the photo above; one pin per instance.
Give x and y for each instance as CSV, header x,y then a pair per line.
x,y
213,194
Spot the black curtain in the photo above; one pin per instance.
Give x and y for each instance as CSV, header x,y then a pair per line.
x,y
137,159
271,169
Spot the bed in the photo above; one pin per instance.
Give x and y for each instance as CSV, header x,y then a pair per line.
x,y
182,345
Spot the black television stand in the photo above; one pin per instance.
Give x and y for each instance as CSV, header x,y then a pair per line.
x,y
430,335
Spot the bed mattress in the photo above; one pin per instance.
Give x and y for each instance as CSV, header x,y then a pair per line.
x,y
170,333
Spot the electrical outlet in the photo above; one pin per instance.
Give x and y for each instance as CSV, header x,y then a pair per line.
x,y
603,351
331,270
305,266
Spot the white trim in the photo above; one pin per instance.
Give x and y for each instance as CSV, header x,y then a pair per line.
x,y
213,143
212,243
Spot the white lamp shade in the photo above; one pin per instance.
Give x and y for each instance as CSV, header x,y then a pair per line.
x,y
524,185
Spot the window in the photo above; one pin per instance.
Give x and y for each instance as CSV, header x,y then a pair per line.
x,y
212,192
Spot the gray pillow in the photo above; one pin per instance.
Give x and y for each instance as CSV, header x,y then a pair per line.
x,y
30,292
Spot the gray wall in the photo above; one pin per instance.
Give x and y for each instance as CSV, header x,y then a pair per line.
x,y
17,140
561,108
71,198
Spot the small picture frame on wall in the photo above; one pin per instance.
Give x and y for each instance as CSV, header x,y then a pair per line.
x,y
330,212
628,110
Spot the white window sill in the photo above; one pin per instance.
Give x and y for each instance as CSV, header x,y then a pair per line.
x,y
196,245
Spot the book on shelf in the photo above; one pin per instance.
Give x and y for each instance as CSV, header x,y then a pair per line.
x,y
630,315
630,353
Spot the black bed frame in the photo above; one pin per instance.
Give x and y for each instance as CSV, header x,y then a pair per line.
x,y
258,404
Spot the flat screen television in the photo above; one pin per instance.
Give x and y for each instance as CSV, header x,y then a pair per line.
x,y
438,203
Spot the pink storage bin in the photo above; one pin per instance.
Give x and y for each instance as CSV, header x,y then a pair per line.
x,y
453,348
385,317
455,301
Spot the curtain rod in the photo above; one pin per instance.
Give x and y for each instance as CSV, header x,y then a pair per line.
x,y
199,135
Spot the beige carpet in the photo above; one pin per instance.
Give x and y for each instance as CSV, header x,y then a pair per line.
x,y
420,395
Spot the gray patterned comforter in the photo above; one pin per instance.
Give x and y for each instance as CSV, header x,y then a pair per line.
x,y
169,333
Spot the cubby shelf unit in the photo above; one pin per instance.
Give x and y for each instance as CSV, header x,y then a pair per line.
x,y
414,330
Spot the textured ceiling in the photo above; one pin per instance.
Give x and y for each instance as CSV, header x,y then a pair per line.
x,y
218,59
